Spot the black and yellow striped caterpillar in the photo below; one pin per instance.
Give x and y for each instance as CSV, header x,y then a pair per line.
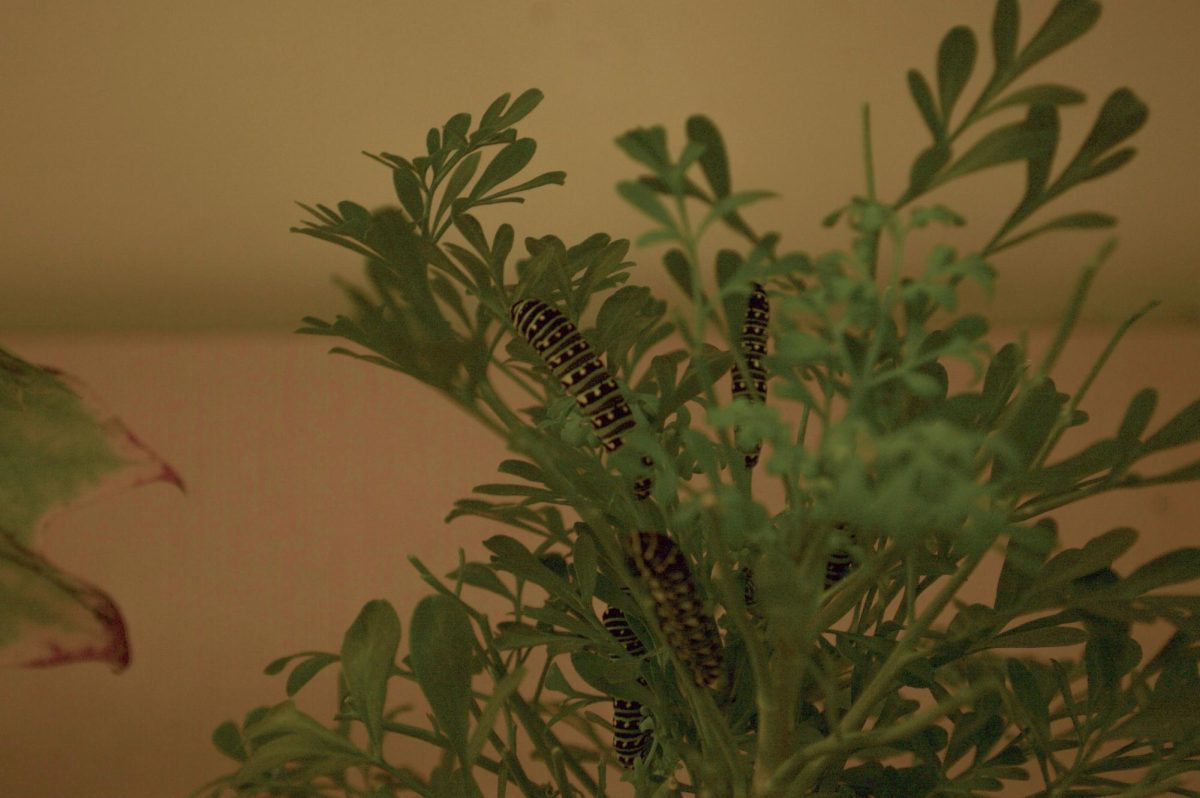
x,y
629,741
690,630
569,357
753,344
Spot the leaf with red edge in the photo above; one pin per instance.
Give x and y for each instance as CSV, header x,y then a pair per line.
x,y
59,447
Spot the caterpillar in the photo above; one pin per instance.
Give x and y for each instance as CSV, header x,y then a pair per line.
x,y
690,630
840,561
753,344
629,741
569,357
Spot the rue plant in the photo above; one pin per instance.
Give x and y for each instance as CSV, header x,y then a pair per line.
x,y
669,626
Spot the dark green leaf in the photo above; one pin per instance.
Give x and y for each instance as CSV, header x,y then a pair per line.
x,y
1041,94
713,162
1069,20
1099,456
544,179
491,116
228,740
647,146
1173,568
1088,220
512,556
1122,115
441,650
1029,695
1029,427
1003,145
926,167
458,181
433,141
923,97
454,132
677,266
508,162
956,59
727,205
1005,25
586,567
1096,554
1003,376
1181,430
644,199
368,656
522,469
1048,637
1137,417
409,192
521,108
304,672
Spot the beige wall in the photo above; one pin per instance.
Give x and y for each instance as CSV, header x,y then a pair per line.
x,y
151,151
310,479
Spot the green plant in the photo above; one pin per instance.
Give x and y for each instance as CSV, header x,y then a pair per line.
x,y
881,685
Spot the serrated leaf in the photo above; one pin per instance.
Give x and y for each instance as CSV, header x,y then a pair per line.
x,y
368,657
956,59
507,163
441,650
713,162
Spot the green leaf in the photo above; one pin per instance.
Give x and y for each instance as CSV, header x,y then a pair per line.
x,y
1005,25
926,167
1088,220
647,146
441,649
922,96
305,670
522,469
1173,568
1048,637
521,108
729,204
1030,698
1030,426
1069,20
507,163
1137,417
713,162
368,656
586,567
677,266
544,179
1097,457
1182,429
512,556
480,576
1040,94
504,690
1003,145
1096,554
1024,558
454,132
956,59
458,181
644,199
228,740
1122,115
1002,377
491,116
